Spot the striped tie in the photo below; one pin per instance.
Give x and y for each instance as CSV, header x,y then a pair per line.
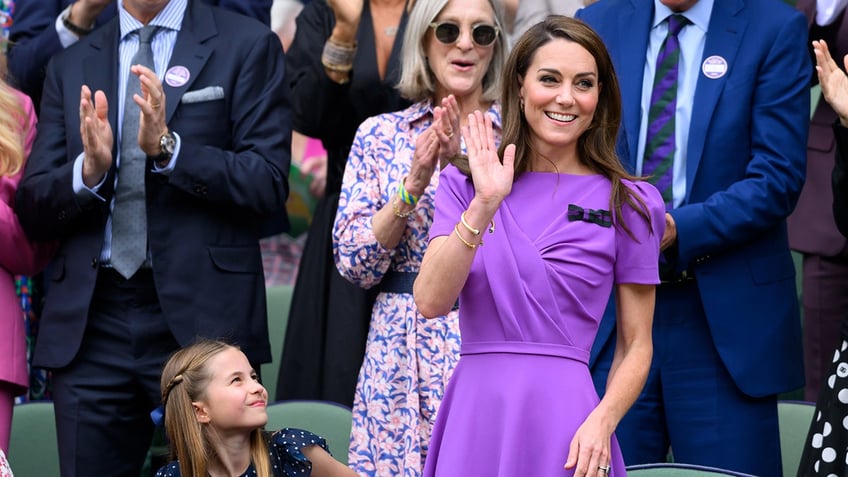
x,y
659,140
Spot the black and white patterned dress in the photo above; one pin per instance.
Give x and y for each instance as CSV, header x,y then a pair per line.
x,y
826,450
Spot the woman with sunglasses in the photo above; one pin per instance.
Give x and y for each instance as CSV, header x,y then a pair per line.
x,y
453,56
563,223
344,63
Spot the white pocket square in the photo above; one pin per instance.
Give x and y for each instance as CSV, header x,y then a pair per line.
x,y
209,93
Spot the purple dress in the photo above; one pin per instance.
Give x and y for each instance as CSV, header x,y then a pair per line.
x,y
529,313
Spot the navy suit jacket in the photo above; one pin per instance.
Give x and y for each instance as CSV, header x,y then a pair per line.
x,y
33,39
745,166
204,218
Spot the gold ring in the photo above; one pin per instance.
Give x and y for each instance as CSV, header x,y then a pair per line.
x,y
156,106
450,134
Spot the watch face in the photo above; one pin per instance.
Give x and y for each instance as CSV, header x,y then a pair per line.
x,y
167,142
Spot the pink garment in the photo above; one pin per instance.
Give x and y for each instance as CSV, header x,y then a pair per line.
x,y
314,148
18,256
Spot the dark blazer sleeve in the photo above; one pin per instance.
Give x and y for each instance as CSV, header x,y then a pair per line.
x,y
258,9
840,179
33,41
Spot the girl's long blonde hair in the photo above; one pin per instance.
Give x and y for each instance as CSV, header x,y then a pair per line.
x,y
13,126
184,380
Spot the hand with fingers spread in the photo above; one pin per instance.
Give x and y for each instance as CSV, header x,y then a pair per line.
x,y
834,83
96,134
152,104
424,161
492,178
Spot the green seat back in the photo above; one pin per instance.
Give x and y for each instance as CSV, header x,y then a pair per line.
x,y
327,419
794,419
33,451
278,299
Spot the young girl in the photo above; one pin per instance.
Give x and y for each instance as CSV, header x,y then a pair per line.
x,y
214,414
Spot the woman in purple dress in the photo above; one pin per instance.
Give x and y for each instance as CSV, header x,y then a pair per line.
x,y
453,58
562,223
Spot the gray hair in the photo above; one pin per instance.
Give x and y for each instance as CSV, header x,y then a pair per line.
x,y
416,80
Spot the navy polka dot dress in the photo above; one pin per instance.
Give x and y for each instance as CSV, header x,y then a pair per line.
x,y
826,452
287,460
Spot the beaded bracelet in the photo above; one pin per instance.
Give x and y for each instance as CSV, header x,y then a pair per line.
x,y
336,68
396,209
466,242
338,56
404,195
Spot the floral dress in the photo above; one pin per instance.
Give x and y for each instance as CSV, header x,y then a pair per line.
x,y
284,447
408,358
5,471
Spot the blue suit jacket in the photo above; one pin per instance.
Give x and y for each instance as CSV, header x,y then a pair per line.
x,y
34,39
204,218
745,166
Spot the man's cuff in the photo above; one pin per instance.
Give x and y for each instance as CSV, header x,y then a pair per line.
x,y
827,11
83,192
66,38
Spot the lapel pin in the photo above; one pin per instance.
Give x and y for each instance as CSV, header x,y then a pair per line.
x,y
177,76
714,67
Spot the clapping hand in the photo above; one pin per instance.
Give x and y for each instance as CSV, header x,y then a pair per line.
x,y
446,125
834,83
492,178
96,135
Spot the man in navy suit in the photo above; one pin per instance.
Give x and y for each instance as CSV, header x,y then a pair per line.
x,y
727,335
214,127
41,28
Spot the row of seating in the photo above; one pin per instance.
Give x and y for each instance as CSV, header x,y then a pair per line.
x,y
33,451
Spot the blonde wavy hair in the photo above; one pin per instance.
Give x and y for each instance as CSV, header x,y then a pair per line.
x,y
12,134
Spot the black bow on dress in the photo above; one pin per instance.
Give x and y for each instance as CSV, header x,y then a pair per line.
x,y
596,216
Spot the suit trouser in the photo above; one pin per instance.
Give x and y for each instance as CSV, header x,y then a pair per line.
x,y
104,397
690,403
825,300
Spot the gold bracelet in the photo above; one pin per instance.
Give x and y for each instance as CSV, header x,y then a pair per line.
x,y
337,68
466,242
465,224
472,229
396,208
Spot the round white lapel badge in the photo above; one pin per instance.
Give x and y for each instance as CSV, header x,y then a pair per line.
x,y
714,67
177,76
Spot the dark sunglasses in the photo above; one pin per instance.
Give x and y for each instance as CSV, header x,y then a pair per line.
x,y
481,34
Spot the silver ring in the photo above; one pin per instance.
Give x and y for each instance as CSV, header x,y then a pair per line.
x,y
604,469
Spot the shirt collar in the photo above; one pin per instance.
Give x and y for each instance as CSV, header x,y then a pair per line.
x,y
424,109
698,14
171,17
